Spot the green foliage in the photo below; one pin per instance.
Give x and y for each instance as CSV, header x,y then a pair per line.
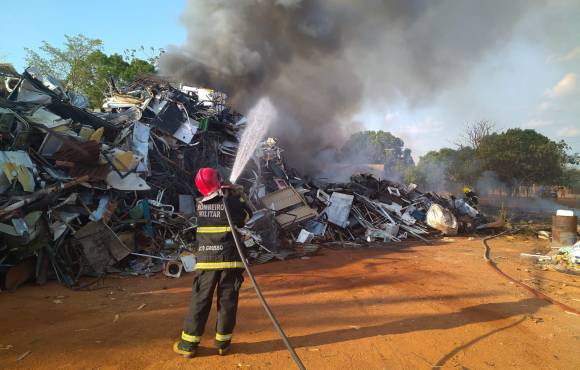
x,y
524,157
571,179
467,167
433,169
378,147
150,55
446,169
69,64
104,68
83,68
517,157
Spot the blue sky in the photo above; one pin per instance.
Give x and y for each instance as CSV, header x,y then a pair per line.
x,y
531,81
121,24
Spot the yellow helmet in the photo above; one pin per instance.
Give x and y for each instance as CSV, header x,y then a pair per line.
x,y
466,189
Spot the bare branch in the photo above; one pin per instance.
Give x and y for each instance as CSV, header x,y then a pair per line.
x,y
475,132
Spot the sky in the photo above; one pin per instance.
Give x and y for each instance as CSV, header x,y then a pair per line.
x,y
120,24
531,80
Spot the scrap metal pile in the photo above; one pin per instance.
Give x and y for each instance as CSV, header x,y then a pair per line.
x,y
364,210
87,192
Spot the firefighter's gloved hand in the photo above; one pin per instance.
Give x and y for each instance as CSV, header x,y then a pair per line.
x,y
233,188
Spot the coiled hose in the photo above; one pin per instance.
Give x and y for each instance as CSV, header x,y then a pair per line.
x,y
260,295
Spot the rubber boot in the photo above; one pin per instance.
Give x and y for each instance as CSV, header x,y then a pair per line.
x,y
223,347
185,349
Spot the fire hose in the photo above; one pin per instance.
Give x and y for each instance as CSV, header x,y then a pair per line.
x,y
259,293
537,293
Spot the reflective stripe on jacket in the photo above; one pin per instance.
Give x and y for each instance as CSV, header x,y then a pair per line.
x,y
215,243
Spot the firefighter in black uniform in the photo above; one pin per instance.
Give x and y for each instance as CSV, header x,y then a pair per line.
x,y
218,265
471,197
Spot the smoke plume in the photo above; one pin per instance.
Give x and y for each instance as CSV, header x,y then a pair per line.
x,y
319,60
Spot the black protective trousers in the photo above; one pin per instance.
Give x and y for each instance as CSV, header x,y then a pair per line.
x,y
228,283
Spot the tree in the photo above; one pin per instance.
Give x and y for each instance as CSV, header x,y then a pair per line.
x,y
475,132
432,172
446,169
104,67
378,147
375,147
571,179
524,157
84,68
150,55
70,64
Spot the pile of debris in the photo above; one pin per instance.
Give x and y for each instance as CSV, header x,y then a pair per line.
x,y
356,213
568,258
563,259
82,190
92,192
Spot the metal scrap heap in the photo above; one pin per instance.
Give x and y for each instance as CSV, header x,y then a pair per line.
x,y
86,192
356,213
89,192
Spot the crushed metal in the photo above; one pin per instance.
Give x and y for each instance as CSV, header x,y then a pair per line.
x,y
85,193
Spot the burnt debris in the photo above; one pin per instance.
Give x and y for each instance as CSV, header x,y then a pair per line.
x,y
89,192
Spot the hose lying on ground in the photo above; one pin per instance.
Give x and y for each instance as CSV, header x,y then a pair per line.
x,y
260,295
537,293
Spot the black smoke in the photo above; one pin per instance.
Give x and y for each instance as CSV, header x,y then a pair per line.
x,y
319,61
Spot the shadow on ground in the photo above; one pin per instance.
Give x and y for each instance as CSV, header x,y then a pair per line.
x,y
469,315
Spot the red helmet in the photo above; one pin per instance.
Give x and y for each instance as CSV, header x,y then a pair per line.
x,y
207,180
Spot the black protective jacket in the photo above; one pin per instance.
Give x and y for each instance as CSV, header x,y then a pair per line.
x,y
216,247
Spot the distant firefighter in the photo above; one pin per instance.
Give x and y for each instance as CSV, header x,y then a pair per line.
x,y
471,197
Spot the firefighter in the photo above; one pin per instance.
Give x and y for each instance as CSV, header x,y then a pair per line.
x,y
471,197
219,265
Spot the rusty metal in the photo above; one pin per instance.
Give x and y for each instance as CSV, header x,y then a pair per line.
x,y
87,153
564,230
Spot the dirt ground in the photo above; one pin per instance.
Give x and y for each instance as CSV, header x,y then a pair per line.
x,y
395,307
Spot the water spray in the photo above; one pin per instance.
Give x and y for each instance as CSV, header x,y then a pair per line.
x,y
259,119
